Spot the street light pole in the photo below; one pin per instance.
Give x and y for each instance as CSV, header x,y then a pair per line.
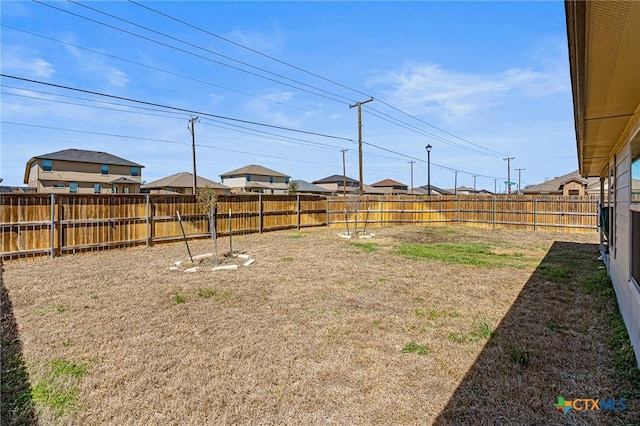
x,y
428,169
411,162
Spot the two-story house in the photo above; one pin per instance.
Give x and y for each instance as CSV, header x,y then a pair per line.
x,y
390,186
255,178
79,171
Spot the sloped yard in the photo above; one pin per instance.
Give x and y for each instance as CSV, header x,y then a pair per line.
x,y
415,326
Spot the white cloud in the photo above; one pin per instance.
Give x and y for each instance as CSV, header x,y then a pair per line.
x,y
451,95
34,67
116,77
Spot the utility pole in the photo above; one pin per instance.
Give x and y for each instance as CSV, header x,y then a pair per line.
x,y
359,105
344,174
495,186
474,184
455,183
519,178
192,129
508,160
411,162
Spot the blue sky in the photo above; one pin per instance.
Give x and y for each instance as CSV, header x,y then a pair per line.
x,y
479,81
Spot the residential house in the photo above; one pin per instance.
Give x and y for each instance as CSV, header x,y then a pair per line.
x,y
465,190
257,179
79,171
390,186
182,183
304,187
339,184
605,65
569,184
424,190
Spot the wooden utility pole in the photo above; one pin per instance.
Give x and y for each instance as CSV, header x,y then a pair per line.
x,y
508,160
192,129
519,178
344,174
411,162
359,105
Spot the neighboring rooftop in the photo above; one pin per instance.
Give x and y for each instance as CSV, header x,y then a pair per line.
x,y
555,185
388,183
182,180
254,169
86,156
335,179
304,186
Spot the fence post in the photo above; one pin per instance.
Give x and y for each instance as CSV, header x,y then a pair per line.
x,y
52,230
260,214
535,214
494,211
458,207
381,213
298,209
146,220
326,206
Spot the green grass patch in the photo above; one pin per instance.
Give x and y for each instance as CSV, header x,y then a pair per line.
x,y
555,273
287,259
58,391
178,298
214,294
412,347
366,247
60,308
520,356
482,329
297,235
474,253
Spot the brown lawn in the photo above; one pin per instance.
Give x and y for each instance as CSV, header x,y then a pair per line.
x,y
319,330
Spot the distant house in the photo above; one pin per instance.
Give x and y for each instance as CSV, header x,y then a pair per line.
x,y
79,171
257,179
465,190
390,186
569,184
339,184
304,187
424,190
182,183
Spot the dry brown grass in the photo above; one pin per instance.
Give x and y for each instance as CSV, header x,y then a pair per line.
x,y
313,332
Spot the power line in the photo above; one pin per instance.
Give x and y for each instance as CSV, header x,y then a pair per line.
x,y
493,152
235,151
176,108
192,53
186,77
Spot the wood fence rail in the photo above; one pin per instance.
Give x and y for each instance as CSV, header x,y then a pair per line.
x,y
53,224
47,224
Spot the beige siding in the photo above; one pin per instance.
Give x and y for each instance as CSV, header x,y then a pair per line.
x,y
85,174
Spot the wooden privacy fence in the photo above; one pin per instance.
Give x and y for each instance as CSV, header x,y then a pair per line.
x,y
558,213
48,224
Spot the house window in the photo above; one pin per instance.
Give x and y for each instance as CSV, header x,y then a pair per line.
x,y
126,189
270,179
59,185
97,188
286,180
574,192
105,169
135,171
248,178
73,188
635,218
47,165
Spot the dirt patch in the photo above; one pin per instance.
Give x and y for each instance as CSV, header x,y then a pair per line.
x,y
318,331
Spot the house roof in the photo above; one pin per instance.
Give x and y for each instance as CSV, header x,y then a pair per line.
x,y
80,156
304,186
182,180
253,169
424,190
388,182
555,185
335,179
604,67
124,180
85,156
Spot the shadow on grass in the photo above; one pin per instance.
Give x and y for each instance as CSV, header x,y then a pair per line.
x,y
552,343
16,402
